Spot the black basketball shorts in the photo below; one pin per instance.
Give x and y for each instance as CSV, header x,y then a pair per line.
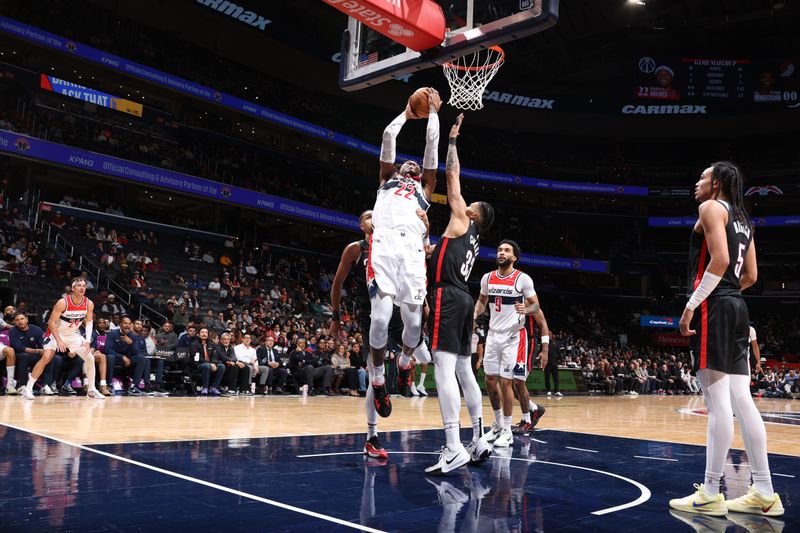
x,y
450,320
722,324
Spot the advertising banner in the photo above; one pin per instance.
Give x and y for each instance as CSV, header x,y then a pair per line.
x,y
176,83
651,321
759,222
93,96
671,339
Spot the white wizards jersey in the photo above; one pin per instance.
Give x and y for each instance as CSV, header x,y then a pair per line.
x,y
504,292
73,316
396,206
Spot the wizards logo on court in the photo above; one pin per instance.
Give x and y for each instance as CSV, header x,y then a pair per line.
x,y
770,417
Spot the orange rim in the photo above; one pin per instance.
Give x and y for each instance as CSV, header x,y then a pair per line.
x,y
500,59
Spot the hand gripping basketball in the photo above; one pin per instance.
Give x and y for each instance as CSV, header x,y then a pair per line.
x,y
422,101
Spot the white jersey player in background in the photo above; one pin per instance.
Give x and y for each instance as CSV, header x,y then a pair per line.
x,y
396,272
510,296
63,335
10,356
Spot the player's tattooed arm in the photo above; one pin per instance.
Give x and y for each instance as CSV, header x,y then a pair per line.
x,y
452,164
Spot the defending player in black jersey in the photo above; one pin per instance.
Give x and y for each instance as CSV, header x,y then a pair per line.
x,y
450,318
722,262
355,257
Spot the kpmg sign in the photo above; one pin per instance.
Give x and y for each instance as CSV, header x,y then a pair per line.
x,y
650,321
236,12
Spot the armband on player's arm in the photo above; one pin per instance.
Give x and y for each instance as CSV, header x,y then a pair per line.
x,y
430,161
389,145
545,339
706,287
89,329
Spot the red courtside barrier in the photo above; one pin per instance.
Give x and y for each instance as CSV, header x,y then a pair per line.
x,y
416,24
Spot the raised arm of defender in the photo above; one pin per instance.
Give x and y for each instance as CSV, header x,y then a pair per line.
x,y
459,221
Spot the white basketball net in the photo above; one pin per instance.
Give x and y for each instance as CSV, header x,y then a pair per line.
x,y
469,75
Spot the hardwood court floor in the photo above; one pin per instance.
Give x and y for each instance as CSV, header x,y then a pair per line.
x,y
676,419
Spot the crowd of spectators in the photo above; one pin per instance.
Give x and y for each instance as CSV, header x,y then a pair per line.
x,y
271,306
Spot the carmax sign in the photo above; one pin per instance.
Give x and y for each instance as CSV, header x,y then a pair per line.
x,y
237,12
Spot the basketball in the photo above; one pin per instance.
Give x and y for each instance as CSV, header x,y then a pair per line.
x,y
418,103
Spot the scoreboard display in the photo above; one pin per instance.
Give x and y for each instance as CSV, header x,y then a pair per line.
x,y
686,79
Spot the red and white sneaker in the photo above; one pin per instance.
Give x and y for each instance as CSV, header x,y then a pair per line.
x,y
382,402
537,415
373,448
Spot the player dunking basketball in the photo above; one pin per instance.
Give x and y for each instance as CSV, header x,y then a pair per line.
x,y
510,295
722,262
355,257
450,318
63,334
396,265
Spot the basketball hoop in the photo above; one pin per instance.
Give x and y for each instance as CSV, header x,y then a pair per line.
x,y
469,75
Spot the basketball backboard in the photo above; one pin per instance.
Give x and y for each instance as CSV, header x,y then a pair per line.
x,y
369,58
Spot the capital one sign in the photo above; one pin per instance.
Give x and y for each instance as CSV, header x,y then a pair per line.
x,y
416,24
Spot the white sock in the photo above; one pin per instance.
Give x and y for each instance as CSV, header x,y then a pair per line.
x,y
507,422
103,383
498,416
763,483
527,417
379,377
532,406
422,379
372,430
404,361
31,381
477,428
452,435
10,372
712,480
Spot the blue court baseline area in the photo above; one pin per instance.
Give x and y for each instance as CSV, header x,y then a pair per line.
x,y
550,481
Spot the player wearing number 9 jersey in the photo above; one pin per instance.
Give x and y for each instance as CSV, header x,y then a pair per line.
x,y
509,295
722,262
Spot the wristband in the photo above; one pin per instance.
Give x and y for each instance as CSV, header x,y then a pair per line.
x,y
545,339
427,240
